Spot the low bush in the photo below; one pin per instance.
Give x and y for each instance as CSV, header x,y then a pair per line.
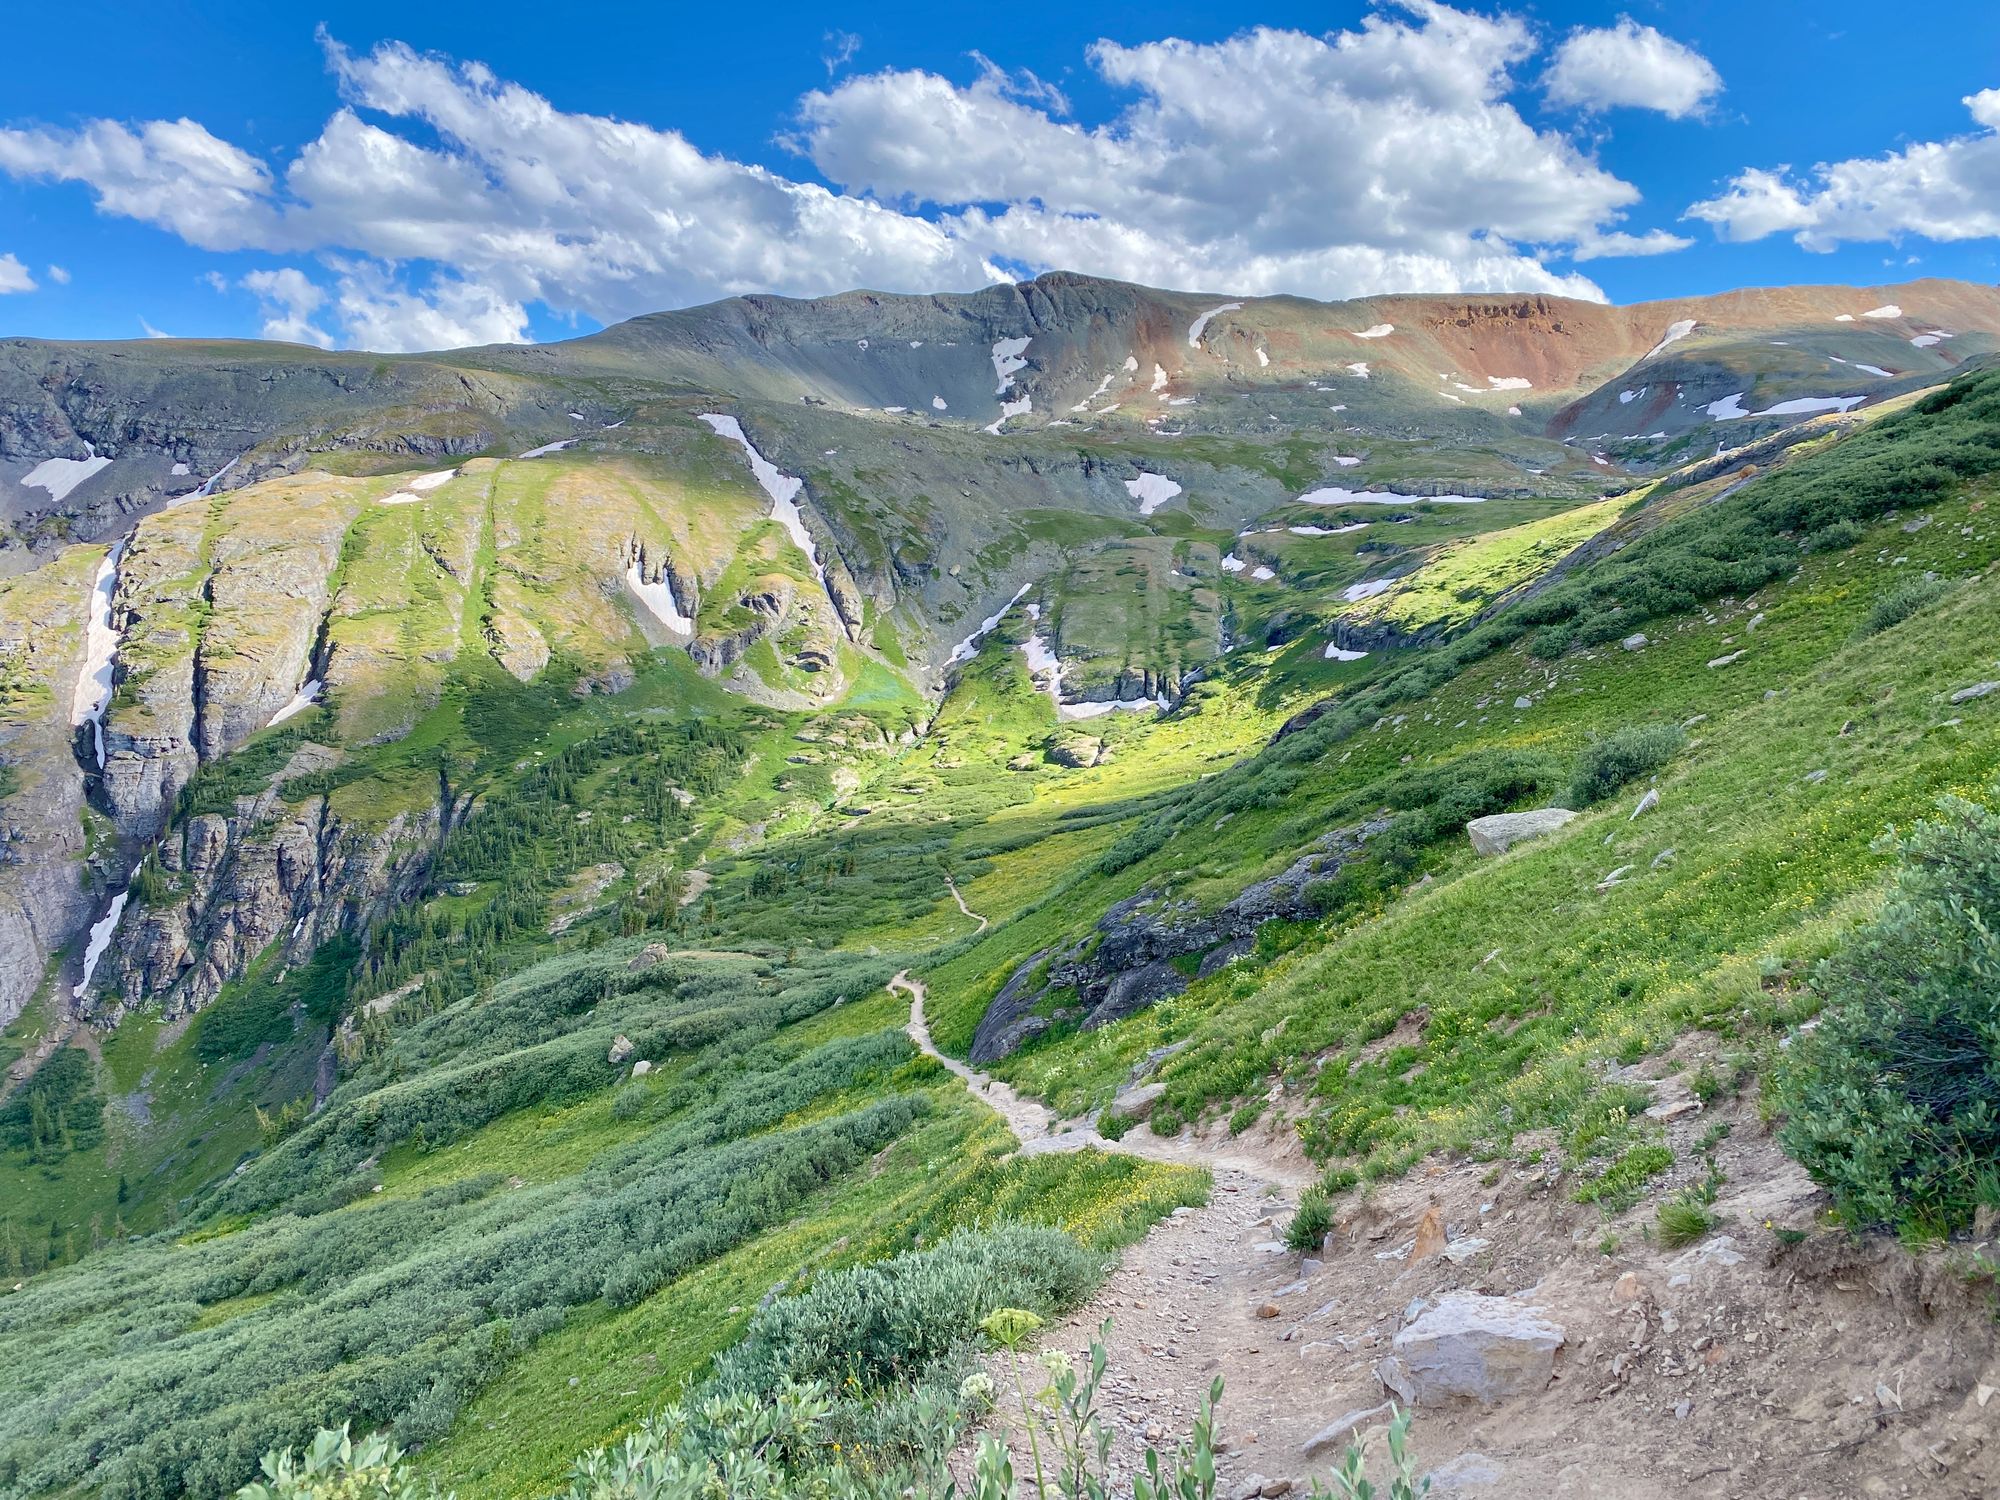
x,y
1901,602
1893,1102
868,1327
1312,1222
1603,766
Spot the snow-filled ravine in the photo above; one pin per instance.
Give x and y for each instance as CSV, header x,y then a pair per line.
x,y
306,697
100,936
968,648
1045,667
657,595
782,488
1151,491
100,652
1335,495
1009,358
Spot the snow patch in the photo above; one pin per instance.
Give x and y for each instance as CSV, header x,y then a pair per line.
x,y
1009,359
424,483
1343,461
1379,331
1730,408
303,699
179,470
1159,378
1262,574
1009,409
1200,325
1335,652
938,403
1131,364
1677,330
1626,398
1354,593
1151,491
401,497
548,448
1886,310
1877,370
1844,318
1359,369
1263,359
1925,340
1510,382
1328,530
1334,495
1810,404
61,475
1233,564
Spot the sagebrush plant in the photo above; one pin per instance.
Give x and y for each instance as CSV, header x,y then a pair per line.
x,y
336,1467
1893,1102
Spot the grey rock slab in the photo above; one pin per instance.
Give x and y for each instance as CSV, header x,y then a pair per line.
x,y
1501,831
1338,1433
1472,1347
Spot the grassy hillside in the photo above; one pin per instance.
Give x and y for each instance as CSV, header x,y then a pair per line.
x,y
408,1174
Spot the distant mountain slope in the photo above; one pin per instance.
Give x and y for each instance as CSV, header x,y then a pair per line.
x,y
131,425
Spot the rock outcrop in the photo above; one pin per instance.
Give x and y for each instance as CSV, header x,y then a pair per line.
x,y
1129,961
294,873
43,899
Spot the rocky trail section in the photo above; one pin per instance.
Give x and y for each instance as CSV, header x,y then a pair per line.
x,y
1550,1350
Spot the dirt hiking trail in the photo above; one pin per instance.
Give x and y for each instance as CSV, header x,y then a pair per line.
x,y
1740,1367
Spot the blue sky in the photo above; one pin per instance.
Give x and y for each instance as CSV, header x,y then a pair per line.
x,y
422,176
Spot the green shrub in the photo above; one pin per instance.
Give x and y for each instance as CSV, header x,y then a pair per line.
x,y
1313,1221
1901,602
867,1327
1550,641
1836,538
1893,1102
334,1467
1603,766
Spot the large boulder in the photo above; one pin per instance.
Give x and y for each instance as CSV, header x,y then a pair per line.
x,y
1472,1347
1500,832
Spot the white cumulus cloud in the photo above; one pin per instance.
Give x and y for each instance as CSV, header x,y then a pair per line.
x,y
14,276
289,299
1939,190
440,201
59,275
1631,66
1385,158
